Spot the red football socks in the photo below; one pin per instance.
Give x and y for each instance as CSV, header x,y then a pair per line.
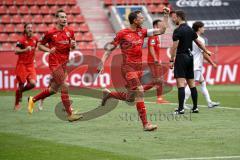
x,y
66,101
45,93
142,112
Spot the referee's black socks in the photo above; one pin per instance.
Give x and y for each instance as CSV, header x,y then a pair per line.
x,y
194,95
181,97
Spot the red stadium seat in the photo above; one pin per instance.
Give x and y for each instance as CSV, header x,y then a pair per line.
x,y
3,10
12,10
67,9
34,27
108,2
75,10
7,47
70,18
152,8
1,28
51,2
53,9
87,37
48,19
3,37
79,36
19,28
9,28
44,10
61,2
75,27
160,8
91,45
13,37
23,10
51,25
34,10
82,45
30,2
6,19
19,2
79,19
71,2
37,19
16,19
42,28
27,19
84,27
38,35
9,2
41,2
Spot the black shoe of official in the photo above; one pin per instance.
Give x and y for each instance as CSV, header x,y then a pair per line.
x,y
179,111
195,110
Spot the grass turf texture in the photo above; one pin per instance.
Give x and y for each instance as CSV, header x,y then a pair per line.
x,y
213,132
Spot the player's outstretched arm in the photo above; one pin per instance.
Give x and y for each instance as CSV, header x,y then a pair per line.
x,y
108,50
43,48
201,46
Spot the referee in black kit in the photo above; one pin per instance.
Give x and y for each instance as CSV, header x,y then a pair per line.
x,y
182,60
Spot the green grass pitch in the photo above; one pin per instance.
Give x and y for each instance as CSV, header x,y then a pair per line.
x,y
118,135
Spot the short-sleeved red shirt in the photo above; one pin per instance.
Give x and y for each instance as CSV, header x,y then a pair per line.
x,y
131,42
155,43
24,42
61,40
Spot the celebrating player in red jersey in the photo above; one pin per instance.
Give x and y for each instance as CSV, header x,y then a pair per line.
x,y
58,41
25,71
153,60
131,40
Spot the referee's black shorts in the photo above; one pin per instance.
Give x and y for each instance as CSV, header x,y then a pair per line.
x,y
183,66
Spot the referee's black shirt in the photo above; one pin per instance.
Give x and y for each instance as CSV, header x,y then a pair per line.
x,y
185,35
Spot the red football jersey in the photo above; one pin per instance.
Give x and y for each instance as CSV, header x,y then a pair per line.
x,y
24,42
61,40
131,44
155,43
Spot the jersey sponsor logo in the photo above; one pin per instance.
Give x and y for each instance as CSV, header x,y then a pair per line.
x,y
68,34
140,34
153,41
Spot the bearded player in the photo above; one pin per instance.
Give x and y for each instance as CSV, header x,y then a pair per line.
x,y
25,70
198,56
131,40
154,60
58,41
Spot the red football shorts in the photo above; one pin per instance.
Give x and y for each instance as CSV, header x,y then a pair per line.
x,y
132,73
25,72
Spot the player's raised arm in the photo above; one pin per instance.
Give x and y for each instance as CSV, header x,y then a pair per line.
x,y
161,30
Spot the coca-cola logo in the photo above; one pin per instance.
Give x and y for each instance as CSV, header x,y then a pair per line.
x,y
201,3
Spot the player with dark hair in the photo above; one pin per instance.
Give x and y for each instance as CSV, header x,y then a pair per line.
x,y
154,61
183,37
131,40
198,57
58,41
25,70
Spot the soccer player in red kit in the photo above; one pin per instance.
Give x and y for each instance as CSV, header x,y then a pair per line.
x,y
25,70
154,61
58,41
131,40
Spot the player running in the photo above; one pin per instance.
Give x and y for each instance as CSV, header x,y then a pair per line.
x,y
131,40
25,70
198,57
154,61
58,41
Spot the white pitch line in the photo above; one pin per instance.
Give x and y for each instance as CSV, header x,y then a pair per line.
x,y
175,104
203,158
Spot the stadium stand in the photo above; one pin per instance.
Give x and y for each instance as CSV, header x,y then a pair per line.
x,y
14,13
